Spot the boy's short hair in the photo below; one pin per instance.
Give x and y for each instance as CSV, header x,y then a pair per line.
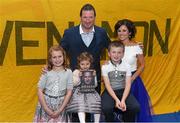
x,y
115,44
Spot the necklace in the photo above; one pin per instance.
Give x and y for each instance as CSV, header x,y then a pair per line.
x,y
116,68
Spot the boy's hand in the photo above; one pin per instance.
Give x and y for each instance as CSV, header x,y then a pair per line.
x,y
123,105
118,103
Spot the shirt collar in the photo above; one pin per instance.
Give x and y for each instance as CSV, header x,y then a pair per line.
x,y
115,64
81,30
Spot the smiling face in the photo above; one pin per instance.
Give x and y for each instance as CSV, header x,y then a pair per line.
x,y
116,54
123,33
85,64
57,58
87,20
87,77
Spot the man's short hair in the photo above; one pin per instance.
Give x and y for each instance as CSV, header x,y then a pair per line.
x,y
88,7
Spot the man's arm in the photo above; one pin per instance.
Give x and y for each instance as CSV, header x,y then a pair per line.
x,y
107,39
64,40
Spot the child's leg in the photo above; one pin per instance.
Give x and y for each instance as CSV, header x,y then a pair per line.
x,y
107,105
96,118
81,116
132,109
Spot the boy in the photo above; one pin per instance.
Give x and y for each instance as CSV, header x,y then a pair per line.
x,y
117,80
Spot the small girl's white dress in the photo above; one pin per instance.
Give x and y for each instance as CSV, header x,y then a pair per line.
x,y
84,102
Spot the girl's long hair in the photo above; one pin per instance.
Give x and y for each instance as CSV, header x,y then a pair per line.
x,y
57,48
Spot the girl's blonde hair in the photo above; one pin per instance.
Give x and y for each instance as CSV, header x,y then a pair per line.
x,y
84,56
57,48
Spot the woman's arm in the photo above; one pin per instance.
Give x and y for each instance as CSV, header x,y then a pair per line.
x,y
140,67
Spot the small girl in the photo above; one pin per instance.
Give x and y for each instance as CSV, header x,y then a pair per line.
x,y
54,88
84,102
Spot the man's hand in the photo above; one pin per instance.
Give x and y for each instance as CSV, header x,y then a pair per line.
x,y
44,69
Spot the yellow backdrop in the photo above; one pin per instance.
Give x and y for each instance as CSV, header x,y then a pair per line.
x,y
28,28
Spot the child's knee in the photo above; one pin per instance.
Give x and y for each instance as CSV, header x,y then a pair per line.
x,y
136,108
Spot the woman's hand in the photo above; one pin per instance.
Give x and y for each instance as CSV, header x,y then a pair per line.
x,y
141,45
132,79
106,62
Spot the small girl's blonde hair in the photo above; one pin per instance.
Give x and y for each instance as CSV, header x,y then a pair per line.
x,y
84,56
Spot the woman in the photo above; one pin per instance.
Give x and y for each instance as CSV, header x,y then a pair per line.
x,y
125,31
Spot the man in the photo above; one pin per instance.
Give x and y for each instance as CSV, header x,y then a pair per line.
x,y
86,37
87,77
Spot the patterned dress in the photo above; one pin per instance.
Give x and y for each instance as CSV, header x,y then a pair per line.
x,y
55,84
83,102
